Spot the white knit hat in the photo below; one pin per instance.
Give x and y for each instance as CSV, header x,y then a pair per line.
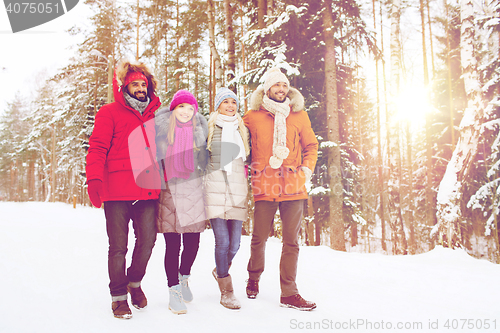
x,y
273,76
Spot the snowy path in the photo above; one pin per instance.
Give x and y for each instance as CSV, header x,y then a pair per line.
x,y
54,279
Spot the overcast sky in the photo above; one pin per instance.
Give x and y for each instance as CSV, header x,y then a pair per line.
x,y
25,55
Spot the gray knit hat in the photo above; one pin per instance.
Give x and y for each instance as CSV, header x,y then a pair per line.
x,y
224,93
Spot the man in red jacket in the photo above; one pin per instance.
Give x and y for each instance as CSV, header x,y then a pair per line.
x,y
112,178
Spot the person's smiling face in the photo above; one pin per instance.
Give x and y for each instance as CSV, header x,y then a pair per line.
x,y
184,112
138,90
228,107
278,92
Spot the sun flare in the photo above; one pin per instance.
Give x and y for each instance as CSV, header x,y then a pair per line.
x,y
413,105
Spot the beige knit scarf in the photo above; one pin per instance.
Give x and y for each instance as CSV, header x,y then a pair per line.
x,y
281,112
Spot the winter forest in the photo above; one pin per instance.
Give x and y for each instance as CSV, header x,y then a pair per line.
x,y
403,96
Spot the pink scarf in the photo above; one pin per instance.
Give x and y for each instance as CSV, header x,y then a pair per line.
x,y
179,162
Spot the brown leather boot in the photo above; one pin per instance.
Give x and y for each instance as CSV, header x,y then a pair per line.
x,y
252,288
297,302
121,310
137,297
227,299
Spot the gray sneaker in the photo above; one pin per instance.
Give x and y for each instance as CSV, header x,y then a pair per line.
x,y
176,303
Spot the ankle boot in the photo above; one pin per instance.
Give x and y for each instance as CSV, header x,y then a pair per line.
x,y
227,298
187,295
176,303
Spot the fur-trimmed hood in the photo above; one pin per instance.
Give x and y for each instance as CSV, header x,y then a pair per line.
x,y
125,67
296,99
121,71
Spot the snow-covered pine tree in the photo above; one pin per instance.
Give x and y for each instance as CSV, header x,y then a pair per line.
x,y
13,153
449,212
487,198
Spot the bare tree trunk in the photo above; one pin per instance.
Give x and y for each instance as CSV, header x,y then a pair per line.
x,y
430,37
53,165
448,62
111,68
211,41
211,78
424,49
196,80
310,240
243,62
449,214
411,206
379,146
137,35
429,202
261,12
31,179
318,233
337,240
231,54
13,180
177,58
362,180
395,47
384,187
270,7
395,148
399,196
166,66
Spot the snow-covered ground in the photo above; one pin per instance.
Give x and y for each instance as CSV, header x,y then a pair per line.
x,y
53,275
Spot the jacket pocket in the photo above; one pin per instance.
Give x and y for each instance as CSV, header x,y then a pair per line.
x,y
294,180
265,181
119,165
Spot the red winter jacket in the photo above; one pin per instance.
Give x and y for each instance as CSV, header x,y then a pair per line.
x,y
110,153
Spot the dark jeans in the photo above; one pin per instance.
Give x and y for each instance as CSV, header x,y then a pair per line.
x,y
190,242
291,217
118,215
227,235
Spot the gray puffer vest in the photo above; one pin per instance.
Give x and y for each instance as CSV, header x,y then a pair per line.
x,y
225,195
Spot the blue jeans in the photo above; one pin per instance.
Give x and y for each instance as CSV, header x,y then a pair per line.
x,y
118,214
227,235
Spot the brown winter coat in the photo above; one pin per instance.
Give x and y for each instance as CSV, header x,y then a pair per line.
x,y
225,195
287,182
181,208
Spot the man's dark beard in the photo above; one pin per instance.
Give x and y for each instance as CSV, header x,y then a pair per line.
x,y
140,99
284,99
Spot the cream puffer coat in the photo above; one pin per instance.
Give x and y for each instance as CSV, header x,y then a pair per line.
x,y
181,208
225,194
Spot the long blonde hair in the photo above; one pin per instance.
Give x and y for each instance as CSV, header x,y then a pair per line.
x,y
171,129
241,127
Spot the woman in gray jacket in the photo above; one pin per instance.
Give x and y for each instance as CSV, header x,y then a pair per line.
x,y
181,134
226,187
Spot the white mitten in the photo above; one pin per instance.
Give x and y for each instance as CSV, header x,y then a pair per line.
x,y
308,173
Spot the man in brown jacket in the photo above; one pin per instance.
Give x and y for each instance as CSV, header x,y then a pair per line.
x,y
284,153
